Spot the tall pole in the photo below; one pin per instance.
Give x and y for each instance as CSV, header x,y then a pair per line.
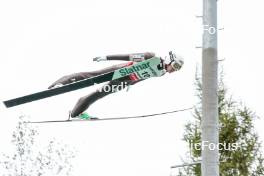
x,y
210,134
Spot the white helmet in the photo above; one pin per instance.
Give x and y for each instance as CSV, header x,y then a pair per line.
x,y
176,61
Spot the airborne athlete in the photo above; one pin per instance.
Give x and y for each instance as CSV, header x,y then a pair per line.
x,y
129,77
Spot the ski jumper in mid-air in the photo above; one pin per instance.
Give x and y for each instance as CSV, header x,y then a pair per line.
x,y
174,63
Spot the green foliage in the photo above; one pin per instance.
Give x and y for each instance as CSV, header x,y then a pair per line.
x,y
236,129
29,160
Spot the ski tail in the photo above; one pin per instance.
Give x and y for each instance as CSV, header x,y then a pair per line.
x,y
59,90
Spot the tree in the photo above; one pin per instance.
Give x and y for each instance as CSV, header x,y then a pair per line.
x,y
239,146
30,160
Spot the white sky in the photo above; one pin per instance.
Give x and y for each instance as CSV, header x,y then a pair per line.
x,y
40,41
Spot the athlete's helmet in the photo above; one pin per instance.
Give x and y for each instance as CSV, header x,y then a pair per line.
x,y
176,61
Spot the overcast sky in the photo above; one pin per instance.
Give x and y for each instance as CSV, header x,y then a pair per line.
x,y
40,41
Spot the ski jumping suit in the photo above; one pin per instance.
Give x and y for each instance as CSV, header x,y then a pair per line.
x,y
84,102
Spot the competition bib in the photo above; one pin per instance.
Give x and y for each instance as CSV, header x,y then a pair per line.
x,y
142,70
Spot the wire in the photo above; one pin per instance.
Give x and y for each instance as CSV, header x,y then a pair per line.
x,y
113,118
186,164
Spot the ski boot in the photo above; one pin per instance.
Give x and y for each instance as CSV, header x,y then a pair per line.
x,y
83,116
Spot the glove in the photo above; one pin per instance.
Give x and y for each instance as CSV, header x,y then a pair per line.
x,y
98,59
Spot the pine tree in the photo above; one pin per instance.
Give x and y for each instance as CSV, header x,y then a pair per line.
x,y
240,149
28,160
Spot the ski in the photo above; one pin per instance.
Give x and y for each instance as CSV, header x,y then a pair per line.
x,y
92,118
143,70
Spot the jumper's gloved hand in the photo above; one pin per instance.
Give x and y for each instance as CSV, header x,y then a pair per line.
x,y
98,59
64,80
